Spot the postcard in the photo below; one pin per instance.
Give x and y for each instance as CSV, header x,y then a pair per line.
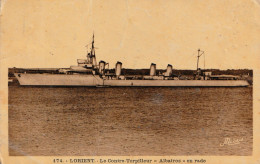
x,y
130,82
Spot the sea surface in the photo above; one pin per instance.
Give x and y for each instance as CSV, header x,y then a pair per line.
x,y
129,121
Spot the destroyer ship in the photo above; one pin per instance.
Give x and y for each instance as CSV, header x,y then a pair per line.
x,y
89,73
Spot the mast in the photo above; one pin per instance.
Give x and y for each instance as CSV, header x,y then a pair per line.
x,y
93,48
199,55
93,53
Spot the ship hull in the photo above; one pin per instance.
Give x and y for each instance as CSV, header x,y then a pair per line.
x,y
95,81
177,83
58,79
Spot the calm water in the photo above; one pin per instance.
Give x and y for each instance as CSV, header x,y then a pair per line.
x,y
129,121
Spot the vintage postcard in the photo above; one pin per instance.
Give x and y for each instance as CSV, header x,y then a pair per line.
x,y
130,81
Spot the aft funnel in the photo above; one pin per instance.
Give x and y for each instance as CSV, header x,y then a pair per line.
x,y
153,69
118,68
168,70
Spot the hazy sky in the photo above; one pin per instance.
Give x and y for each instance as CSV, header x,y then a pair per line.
x,y
53,33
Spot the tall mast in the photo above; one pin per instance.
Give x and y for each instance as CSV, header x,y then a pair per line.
x,y
199,55
93,48
93,54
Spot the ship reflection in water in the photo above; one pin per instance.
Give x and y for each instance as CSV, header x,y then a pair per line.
x,y
129,121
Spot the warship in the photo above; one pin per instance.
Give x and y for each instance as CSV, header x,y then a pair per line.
x,y
89,73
